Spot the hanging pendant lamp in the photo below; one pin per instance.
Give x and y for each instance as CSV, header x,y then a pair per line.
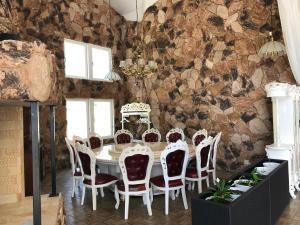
x,y
112,76
272,48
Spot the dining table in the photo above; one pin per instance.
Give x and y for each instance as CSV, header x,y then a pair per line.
x,y
107,157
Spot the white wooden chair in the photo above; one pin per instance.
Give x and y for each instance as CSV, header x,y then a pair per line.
x,y
135,164
213,156
199,136
174,135
200,172
174,161
76,172
94,141
151,135
80,140
123,136
87,162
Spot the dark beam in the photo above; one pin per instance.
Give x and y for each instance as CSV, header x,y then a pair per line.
x,y
53,153
35,135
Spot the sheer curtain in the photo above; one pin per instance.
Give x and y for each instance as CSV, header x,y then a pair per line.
x,y
289,11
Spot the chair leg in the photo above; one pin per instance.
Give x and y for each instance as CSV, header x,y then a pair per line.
x,y
102,192
199,186
184,198
148,204
167,202
207,182
172,195
126,206
193,185
214,176
151,195
73,188
94,197
189,185
83,195
117,197
177,193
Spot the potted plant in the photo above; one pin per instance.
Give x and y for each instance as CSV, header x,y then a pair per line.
x,y
261,204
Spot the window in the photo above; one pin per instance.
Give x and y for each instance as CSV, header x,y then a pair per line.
x,y
90,115
77,118
87,61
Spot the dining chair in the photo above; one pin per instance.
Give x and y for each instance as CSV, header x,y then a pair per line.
x,y
199,136
87,162
174,135
173,160
151,135
135,164
76,172
213,156
80,140
123,136
200,172
94,141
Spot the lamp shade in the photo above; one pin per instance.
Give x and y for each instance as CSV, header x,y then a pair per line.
x,y
272,48
113,76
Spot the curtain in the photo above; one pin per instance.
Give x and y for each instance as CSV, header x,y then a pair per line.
x,y
289,11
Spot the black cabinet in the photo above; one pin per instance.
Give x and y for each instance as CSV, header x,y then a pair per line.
x,y
261,205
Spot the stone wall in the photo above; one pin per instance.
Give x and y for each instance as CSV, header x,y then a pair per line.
x,y
27,71
210,75
81,20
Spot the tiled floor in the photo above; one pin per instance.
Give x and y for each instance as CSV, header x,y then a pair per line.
x,y
107,215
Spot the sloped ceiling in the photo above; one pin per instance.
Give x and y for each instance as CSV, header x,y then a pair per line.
x,y
127,8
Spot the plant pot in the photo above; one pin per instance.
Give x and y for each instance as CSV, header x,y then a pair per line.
x,y
260,205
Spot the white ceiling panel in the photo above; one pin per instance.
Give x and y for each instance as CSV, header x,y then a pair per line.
x,y
127,8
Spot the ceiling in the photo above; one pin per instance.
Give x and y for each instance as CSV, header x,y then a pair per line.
x,y
127,8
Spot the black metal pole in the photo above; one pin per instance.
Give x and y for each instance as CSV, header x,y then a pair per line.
x,y
35,137
52,147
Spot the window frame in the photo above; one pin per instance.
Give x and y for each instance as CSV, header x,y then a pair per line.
x,y
86,100
88,60
112,110
91,116
86,77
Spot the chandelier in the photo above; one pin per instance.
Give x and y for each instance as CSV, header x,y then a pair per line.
x,y
137,66
272,48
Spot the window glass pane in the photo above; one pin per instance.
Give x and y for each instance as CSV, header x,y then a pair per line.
x,y
75,59
103,118
101,58
77,118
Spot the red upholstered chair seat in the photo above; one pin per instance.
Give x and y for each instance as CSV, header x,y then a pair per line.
x,y
95,142
198,139
136,167
160,182
192,173
151,137
77,173
123,138
175,163
192,163
100,179
132,188
174,137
